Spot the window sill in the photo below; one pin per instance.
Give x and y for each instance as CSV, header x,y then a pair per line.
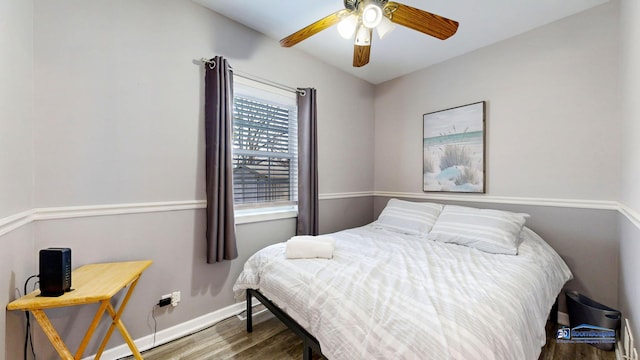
x,y
247,216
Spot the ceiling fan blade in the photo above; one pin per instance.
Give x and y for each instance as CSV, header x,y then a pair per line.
x,y
420,20
362,46
361,55
314,28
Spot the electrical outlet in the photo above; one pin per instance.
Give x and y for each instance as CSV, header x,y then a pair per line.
x,y
165,300
175,298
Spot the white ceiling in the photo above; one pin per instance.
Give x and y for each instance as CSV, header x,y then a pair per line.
x,y
482,22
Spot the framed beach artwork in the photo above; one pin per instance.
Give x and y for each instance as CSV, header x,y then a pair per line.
x,y
453,149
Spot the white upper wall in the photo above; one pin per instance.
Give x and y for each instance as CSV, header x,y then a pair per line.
x,y
629,279
119,101
630,78
553,128
16,106
118,105
16,162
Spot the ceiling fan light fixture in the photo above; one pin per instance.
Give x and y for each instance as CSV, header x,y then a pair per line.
x,y
384,27
371,14
363,36
364,15
347,27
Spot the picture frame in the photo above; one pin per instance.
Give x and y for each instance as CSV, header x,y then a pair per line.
x,y
454,149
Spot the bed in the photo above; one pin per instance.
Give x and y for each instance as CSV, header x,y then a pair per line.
x,y
390,292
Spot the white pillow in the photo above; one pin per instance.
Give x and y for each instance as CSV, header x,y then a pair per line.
x,y
492,231
406,217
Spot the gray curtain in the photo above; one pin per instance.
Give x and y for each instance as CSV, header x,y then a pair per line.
x,y
221,228
307,163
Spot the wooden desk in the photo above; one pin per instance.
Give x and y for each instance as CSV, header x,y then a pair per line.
x,y
93,283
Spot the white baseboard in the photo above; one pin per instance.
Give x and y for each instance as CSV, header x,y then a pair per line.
x,y
174,332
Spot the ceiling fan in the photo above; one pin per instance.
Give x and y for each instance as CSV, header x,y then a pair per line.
x,y
360,17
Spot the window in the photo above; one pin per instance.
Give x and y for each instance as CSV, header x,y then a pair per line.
x,y
264,146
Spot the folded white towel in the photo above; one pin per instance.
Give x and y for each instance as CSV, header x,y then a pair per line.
x,y
310,247
325,238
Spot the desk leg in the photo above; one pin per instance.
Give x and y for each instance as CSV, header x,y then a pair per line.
x,y
91,329
125,334
117,322
52,334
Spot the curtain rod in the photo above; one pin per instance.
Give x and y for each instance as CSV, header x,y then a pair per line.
x,y
212,65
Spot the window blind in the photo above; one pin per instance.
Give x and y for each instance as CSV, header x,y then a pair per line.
x,y
265,152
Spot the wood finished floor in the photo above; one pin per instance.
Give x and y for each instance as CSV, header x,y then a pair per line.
x,y
271,340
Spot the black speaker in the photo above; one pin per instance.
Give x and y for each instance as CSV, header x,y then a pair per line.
x,y
55,271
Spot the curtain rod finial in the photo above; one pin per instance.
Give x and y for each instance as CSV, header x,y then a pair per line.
x,y
210,62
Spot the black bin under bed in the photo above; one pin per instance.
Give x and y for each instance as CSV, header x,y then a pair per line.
x,y
583,310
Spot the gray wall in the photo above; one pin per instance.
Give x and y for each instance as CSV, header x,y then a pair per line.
x,y
563,125
119,101
173,240
553,132
552,127
340,214
630,194
106,109
115,118
16,106
628,283
586,239
16,161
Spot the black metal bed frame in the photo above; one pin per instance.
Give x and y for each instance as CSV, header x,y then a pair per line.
x,y
309,342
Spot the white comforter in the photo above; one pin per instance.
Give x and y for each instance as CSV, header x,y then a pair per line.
x,y
386,295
